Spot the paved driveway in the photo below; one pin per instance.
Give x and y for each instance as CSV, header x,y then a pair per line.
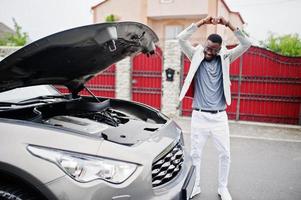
x,y
266,163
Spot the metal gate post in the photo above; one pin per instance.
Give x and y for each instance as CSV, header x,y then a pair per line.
x,y
300,115
239,86
181,82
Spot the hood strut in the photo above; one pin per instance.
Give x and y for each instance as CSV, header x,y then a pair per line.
x,y
90,92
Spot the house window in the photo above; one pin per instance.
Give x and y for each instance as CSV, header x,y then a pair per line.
x,y
166,1
171,31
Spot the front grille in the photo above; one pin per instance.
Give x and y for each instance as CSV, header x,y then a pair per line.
x,y
168,166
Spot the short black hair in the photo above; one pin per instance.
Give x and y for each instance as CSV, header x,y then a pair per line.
x,y
215,38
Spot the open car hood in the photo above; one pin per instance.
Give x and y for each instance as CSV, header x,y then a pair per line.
x,y
74,56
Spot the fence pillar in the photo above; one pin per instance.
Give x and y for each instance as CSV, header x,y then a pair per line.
x,y
239,88
123,79
170,96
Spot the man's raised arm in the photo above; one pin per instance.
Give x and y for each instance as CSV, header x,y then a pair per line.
x,y
183,37
244,43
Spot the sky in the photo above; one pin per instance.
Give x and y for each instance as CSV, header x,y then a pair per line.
x,y
40,18
264,16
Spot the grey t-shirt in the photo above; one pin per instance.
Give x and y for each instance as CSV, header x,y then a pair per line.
x,y
209,91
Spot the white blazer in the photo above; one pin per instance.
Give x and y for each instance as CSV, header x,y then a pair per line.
x,y
196,55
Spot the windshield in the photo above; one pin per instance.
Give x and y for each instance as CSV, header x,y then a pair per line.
x,y
24,93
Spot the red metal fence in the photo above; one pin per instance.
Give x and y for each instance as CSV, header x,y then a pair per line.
x,y
147,79
266,87
101,85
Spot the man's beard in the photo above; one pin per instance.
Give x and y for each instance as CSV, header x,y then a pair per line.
x,y
210,58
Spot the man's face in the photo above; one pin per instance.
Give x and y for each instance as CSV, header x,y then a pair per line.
x,y
211,50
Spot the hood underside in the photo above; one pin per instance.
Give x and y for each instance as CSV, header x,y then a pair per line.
x,y
74,56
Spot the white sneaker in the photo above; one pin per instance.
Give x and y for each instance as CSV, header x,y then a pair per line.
x,y
224,194
196,190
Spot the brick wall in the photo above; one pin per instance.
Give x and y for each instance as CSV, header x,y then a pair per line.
x,y
171,89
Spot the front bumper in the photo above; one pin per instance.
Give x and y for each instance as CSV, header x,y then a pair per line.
x,y
136,188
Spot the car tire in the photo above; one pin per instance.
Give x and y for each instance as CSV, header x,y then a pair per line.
x,y
14,192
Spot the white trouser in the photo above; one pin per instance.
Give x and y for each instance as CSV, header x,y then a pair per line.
x,y
203,125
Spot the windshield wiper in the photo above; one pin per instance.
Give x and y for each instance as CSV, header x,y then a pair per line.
x,y
9,104
40,99
4,104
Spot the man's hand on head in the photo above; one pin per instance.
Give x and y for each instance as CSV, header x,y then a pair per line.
x,y
207,20
221,20
214,21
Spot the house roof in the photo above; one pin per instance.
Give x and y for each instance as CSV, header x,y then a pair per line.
x,y
102,1
4,29
230,11
227,7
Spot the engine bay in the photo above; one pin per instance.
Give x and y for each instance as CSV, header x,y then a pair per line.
x,y
119,121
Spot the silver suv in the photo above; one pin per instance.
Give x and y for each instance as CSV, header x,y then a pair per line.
x,y
55,146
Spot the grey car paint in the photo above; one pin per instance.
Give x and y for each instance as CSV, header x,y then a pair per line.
x,y
128,132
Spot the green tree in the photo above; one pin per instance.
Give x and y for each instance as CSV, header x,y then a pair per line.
x,y
287,45
15,39
111,18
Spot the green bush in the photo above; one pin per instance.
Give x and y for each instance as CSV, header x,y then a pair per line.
x,y
16,39
287,45
111,18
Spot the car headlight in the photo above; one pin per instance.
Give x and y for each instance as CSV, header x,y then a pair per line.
x,y
84,168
